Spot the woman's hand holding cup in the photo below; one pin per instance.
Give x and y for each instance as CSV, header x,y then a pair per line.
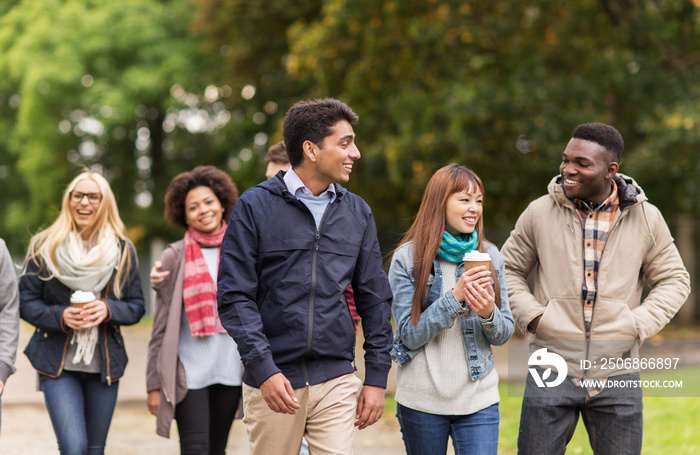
x,y
474,286
85,311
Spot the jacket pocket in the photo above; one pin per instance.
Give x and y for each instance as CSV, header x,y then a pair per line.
x,y
612,320
117,336
432,292
45,351
562,320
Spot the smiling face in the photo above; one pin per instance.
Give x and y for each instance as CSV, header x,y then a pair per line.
x,y
333,158
587,170
203,210
463,211
84,201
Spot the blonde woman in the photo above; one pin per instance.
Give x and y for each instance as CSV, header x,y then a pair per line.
x,y
78,350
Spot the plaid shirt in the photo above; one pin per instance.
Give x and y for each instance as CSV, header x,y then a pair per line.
x,y
596,221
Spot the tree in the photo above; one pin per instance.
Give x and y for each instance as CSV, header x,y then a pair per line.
x,y
89,84
252,40
499,86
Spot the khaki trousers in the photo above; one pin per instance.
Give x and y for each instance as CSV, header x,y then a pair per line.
x,y
326,419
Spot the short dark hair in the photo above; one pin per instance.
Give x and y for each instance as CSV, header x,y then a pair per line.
x,y
277,153
312,120
217,180
604,135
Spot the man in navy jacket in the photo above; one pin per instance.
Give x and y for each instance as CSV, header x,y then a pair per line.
x,y
293,244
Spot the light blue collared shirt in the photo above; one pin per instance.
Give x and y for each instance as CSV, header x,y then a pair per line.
x,y
316,204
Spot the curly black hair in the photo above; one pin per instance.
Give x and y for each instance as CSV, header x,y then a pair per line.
x,y
220,183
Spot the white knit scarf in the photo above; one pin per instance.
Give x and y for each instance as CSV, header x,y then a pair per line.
x,y
81,267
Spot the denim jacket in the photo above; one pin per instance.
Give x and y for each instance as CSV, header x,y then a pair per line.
x,y
441,311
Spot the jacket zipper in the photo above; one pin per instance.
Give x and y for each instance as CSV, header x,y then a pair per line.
x,y
312,295
63,357
109,378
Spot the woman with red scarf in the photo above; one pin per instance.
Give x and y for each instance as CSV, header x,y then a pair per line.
x,y
194,369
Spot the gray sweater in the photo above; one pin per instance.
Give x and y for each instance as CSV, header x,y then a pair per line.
x,y
9,313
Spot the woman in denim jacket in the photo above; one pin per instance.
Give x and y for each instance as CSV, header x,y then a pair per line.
x,y
445,326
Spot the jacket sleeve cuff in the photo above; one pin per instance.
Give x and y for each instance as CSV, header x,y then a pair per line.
x,y
490,319
263,369
109,310
64,327
376,375
453,306
152,382
5,371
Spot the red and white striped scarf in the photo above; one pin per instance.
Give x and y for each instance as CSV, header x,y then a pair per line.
x,y
199,290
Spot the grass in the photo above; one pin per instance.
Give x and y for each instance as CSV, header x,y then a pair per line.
x,y
670,424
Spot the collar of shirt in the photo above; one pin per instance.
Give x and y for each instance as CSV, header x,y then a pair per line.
x,y
606,205
294,184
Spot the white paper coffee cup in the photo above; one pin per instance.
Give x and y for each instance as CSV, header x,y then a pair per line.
x,y
80,298
475,259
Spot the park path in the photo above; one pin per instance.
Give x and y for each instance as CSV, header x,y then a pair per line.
x,y
26,428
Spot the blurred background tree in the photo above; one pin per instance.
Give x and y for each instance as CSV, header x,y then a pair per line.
x,y
144,90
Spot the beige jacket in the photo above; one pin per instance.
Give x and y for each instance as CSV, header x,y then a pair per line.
x,y
547,242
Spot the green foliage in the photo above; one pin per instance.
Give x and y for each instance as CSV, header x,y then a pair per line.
x,y
252,40
497,86
111,65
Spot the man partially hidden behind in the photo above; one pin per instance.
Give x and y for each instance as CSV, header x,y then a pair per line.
x,y
276,159
294,243
592,243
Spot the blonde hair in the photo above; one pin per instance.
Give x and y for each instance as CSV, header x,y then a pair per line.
x,y
44,243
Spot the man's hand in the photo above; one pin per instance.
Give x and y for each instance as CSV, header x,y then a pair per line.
x,y
157,275
532,326
279,394
370,406
153,401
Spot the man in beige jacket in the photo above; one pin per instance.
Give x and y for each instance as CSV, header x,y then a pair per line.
x,y
592,242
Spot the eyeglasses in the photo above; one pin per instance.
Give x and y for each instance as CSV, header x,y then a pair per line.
x,y
77,196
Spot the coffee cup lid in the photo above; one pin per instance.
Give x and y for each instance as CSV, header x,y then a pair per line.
x,y
82,296
476,256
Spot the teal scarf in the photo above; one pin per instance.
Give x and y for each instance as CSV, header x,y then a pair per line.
x,y
452,249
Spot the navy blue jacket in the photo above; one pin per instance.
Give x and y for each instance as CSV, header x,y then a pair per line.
x,y
281,287
42,303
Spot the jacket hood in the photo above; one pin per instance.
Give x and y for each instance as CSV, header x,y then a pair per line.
x,y
628,190
276,185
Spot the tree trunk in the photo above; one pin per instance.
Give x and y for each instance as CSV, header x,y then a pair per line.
x,y
685,240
